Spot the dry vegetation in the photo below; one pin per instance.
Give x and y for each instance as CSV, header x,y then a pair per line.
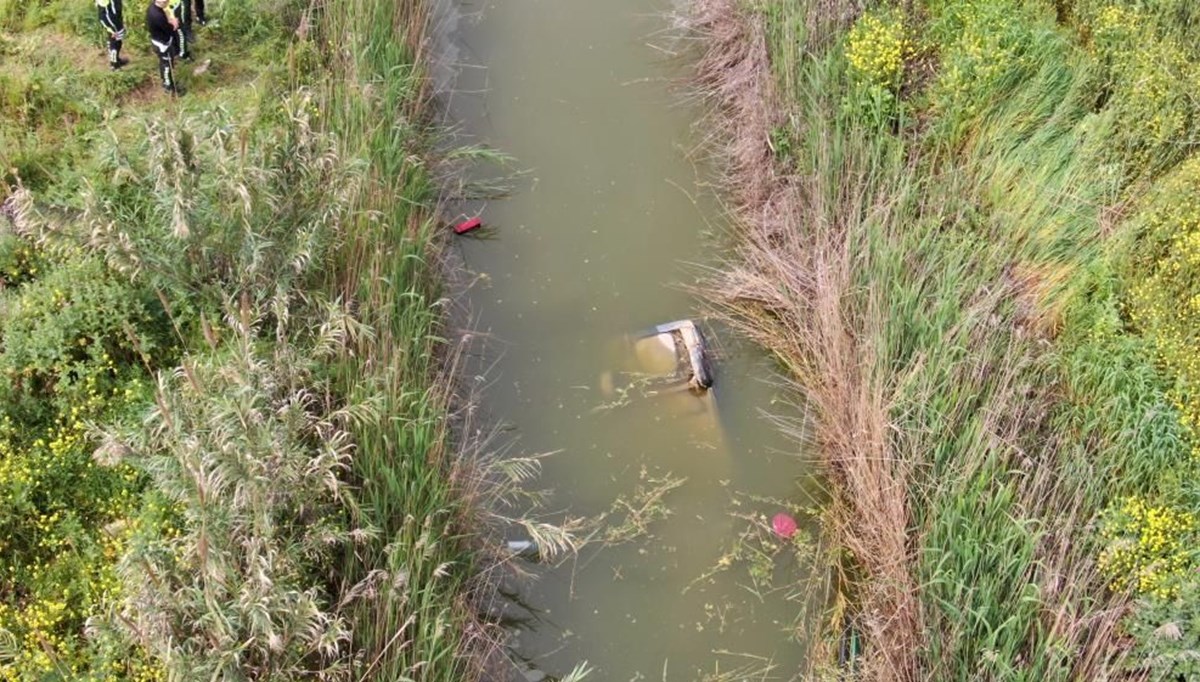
x,y
796,274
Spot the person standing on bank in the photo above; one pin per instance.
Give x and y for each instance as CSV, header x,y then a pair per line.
x,y
182,9
113,21
163,25
200,18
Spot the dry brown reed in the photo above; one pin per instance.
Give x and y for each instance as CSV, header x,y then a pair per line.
x,y
795,274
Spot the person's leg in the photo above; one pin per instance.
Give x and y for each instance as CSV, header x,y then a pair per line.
x,y
165,67
200,16
116,15
115,34
182,33
102,14
181,43
114,52
185,29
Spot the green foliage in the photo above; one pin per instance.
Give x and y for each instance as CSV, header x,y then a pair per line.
x,y
877,48
138,227
19,261
78,18
1153,70
260,21
985,49
61,332
1166,633
305,62
50,105
403,465
1149,548
1178,18
781,144
1020,365
1152,96
65,363
248,455
39,96
1114,394
1164,301
209,211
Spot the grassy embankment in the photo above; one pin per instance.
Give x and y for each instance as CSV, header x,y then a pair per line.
x,y
226,440
969,235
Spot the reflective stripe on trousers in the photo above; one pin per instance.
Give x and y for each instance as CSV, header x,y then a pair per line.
x,y
164,62
112,22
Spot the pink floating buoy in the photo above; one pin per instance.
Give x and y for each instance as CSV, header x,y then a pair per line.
x,y
783,525
467,225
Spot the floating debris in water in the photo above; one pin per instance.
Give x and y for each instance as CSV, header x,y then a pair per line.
x,y
784,525
683,339
526,549
467,225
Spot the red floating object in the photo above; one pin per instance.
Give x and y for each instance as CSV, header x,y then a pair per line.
x,y
784,525
467,225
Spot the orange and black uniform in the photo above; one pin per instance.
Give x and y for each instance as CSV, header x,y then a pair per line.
x,y
112,18
162,37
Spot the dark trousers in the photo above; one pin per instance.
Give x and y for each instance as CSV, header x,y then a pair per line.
x,y
183,36
200,11
166,62
114,51
110,19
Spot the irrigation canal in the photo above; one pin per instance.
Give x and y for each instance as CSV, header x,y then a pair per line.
x,y
592,246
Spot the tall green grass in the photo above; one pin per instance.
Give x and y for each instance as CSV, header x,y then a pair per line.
x,y
304,511
417,624
933,269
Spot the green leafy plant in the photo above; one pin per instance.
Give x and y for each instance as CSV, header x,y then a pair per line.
x,y
249,455
878,48
1150,548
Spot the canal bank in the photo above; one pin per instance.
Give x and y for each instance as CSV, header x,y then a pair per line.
x,y
225,448
607,226
962,229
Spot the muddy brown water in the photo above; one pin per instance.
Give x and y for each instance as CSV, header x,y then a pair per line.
x,y
602,229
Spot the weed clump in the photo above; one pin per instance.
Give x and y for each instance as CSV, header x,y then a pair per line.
x,y
1151,71
1149,548
1164,300
877,48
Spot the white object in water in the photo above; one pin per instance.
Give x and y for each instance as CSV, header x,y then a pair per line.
x,y
689,344
523,548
